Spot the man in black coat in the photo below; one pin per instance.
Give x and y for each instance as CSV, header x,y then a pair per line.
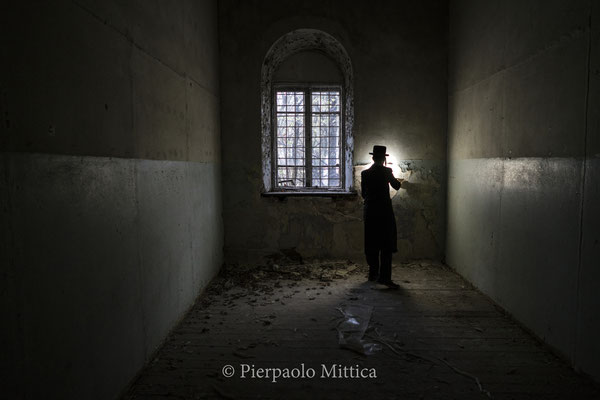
x,y
380,222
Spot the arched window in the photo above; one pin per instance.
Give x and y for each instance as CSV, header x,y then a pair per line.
x,y
307,114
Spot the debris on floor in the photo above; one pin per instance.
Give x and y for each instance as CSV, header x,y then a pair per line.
x,y
351,329
265,278
436,338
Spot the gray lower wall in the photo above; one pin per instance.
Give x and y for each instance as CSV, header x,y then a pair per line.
x,y
110,187
587,349
514,232
104,256
524,164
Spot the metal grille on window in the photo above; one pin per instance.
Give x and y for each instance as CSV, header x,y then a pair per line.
x,y
325,139
319,165
291,159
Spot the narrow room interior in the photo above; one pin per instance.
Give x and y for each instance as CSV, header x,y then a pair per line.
x,y
187,199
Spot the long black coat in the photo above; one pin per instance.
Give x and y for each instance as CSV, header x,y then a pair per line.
x,y
380,222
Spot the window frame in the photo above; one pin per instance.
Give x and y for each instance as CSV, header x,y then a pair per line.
x,y
308,88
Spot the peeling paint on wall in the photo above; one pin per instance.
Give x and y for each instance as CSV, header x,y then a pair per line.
x,y
399,99
290,44
319,227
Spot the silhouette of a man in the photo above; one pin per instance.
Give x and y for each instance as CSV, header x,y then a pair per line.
x,y
380,222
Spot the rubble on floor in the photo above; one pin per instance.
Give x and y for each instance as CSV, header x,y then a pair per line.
x,y
435,338
264,278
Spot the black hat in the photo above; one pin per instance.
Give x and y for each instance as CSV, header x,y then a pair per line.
x,y
379,151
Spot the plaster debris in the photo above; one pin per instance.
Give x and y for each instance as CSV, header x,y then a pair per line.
x,y
351,329
264,279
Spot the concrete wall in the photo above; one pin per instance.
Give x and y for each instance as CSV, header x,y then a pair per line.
x,y
110,204
398,51
524,159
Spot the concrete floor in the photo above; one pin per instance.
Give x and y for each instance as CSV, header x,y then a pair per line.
x,y
439,338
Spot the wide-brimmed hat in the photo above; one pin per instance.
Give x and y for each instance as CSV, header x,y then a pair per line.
x,y
379,151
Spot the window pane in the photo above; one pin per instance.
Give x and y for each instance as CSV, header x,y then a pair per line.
x,y
299,100
326,101
333,154
326,177
290,176
334,141
290,131
335,103
325,141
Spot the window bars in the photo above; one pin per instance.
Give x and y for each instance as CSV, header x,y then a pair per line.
x,y
308,138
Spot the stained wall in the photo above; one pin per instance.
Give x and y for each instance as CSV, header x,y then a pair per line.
x,y
398,55
110,193
523,159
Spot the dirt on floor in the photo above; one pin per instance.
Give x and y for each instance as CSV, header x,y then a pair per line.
x,y
436,337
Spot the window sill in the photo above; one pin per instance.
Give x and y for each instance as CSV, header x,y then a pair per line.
x,y
292,193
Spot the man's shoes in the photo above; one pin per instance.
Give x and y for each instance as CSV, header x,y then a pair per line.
x,y
373,278
389,284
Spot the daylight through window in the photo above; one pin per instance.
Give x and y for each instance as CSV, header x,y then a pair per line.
x,y
308,127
